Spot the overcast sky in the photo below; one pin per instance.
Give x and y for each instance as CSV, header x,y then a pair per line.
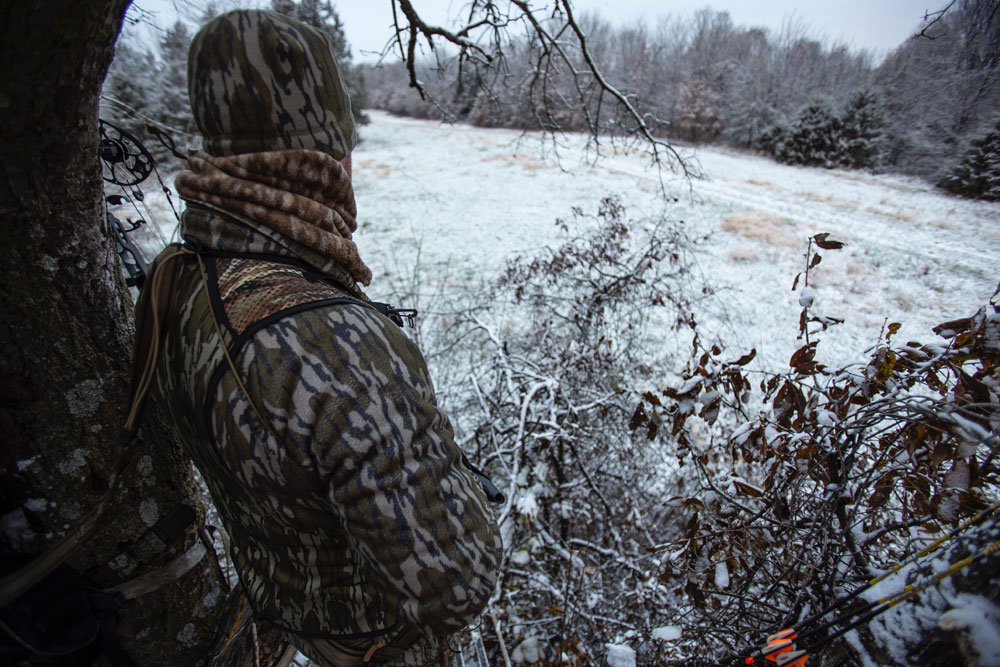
x,y
879,25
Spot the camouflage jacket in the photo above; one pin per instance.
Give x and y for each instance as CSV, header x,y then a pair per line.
x,y
351,512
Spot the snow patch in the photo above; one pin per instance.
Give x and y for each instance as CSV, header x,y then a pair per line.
x,y
25,463
36,504
721,576
145,466
527,505
520,557
667,633
977,621
806,297
527,651
699,432
620,655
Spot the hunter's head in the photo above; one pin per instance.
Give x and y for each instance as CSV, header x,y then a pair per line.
x,y
260,81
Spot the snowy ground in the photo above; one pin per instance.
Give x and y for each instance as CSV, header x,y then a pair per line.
x,y
464,199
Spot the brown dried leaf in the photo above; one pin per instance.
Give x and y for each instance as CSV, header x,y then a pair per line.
x,y
638,417
748,490
953,328
822,242
804,354
652,398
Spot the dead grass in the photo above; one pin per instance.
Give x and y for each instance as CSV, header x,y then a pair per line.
x,y
770,229
815,196
744,255
526,162
375,168
763,184
898,215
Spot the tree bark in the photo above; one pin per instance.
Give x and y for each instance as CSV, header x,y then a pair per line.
x,y
66,336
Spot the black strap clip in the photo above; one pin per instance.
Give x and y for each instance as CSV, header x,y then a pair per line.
x,y
397,315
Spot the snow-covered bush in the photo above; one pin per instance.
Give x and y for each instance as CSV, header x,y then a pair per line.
x,y
826,477
978,174
552,364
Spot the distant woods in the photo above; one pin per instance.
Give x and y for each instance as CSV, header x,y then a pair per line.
x,y
703,79
930,109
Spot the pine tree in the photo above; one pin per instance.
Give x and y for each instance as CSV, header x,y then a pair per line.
x,y
172,107
322,14
861,131
127,89
813,138
978,174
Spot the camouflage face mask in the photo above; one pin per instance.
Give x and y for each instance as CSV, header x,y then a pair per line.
x,y
260,81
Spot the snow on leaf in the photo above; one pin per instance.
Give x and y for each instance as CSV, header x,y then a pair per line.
x,y
620,655
527,505
977,619
528,651
721,575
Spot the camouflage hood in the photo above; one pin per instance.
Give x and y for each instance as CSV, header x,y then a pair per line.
x,y
260,81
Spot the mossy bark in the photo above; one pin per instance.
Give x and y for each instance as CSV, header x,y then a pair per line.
x,y
66,336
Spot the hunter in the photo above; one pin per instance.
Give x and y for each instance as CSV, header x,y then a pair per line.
x,y
356,527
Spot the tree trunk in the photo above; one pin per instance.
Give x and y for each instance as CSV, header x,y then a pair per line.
x,y
66,337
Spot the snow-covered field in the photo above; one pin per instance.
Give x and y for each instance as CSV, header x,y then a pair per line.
x,y
459,200
450,203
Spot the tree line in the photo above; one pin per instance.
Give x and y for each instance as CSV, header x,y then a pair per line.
x,y
929,109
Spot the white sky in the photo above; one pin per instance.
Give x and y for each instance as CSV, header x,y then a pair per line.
x,y
879,25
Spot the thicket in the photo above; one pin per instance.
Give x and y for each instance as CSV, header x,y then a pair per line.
x,y
705,79
684,505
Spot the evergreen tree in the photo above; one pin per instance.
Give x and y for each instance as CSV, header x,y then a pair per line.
x,y
861,129
153,92
172,106
813,138
322,14
819,138
978,174
127,87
